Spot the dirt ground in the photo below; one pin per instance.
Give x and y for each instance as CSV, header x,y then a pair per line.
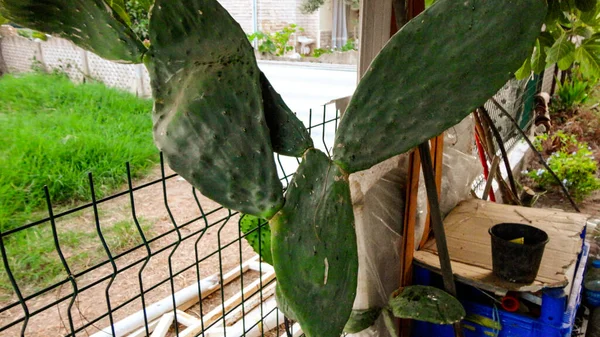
x,y
555,199
93,302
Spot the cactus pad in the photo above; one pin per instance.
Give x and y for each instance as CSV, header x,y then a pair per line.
x,y
91,24
208,115
314,247
427,304
259,240
434,72
361,320
289,137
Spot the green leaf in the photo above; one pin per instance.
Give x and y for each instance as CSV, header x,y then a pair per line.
x,y
361,320
590,18
554,12
546,39
585,5
427,304
561,52
119,7
538,59
258,234
39,35
566,62
91,24
588,58
583,31
525,70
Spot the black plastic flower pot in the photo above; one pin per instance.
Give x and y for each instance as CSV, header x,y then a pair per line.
x,y
517,251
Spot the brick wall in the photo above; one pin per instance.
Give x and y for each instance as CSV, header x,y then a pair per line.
x,y
272,15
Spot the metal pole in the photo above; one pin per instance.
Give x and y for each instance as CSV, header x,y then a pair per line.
x,y
437,225
255,21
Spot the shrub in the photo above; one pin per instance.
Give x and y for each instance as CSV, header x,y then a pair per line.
x,y
570,94
572,162
276,43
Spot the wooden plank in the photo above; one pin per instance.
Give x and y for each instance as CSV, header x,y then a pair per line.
x,y
410,218
478,277
469,243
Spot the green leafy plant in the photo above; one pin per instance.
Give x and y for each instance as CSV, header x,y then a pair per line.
x,y
218,121
571,93
573,163
318,52
137,10
350,45
571,37
276,43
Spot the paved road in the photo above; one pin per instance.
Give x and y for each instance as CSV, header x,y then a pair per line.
x,y
309,86
305,87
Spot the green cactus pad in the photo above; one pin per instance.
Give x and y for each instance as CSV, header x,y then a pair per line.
x,y
91,24
208,115
314,247
427,304
260,241
283,306
289,137
361,320
434,72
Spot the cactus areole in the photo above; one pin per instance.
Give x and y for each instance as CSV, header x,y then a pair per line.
x,y
218,120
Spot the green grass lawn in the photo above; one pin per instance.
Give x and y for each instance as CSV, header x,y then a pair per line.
x,y
53,133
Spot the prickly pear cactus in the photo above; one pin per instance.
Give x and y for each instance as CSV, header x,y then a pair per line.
x,y
288,135
314,247
258,236
426,304
217,119
208,113
91,24
434,72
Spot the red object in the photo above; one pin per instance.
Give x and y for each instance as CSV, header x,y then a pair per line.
x,y
486,170
510,303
